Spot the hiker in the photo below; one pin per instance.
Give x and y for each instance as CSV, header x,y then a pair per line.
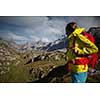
x,y
79,50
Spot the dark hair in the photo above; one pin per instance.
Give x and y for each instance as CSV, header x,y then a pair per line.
x,y
69,28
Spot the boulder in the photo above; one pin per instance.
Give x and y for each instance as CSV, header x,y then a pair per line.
x,y
95,31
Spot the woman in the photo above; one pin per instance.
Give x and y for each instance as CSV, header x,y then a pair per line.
x,y
80,47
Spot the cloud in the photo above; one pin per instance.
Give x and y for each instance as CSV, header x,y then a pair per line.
x,y
50,29
84,21
24,21
13,36
45,39
34,38
17,37
35,28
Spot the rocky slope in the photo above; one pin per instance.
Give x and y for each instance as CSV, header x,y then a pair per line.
x,y
95,31
7,56
58,45
38,62
26,66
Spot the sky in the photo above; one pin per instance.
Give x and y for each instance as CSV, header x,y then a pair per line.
x,y
23,29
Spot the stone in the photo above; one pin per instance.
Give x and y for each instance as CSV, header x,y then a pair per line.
x,y
2,72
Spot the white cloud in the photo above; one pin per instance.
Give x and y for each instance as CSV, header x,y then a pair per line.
x,y
42,28
44,39
49,29
34,22
10,35
84,21
34,38
17,37
27,21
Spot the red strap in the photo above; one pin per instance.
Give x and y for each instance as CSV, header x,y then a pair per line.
x,y
82,61
89,36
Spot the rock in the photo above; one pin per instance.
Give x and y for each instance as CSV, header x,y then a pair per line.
x,y
98,62
1,50
33,57
2,72
7,54
95,31
8,63
43,57
17,63
1,53
28,62
0,64
53,80
41,74
51,67
37,58
0,68
57,58
25,57
31,71
6,69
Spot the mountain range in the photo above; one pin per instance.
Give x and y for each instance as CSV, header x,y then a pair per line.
x,y
57,45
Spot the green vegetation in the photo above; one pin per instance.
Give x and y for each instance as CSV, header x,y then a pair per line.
x,y
35,66
19,71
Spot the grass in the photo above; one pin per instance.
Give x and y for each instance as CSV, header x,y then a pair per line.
x,y
16,74
20,73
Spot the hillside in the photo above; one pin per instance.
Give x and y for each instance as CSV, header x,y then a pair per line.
x,y
38,62
7,56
